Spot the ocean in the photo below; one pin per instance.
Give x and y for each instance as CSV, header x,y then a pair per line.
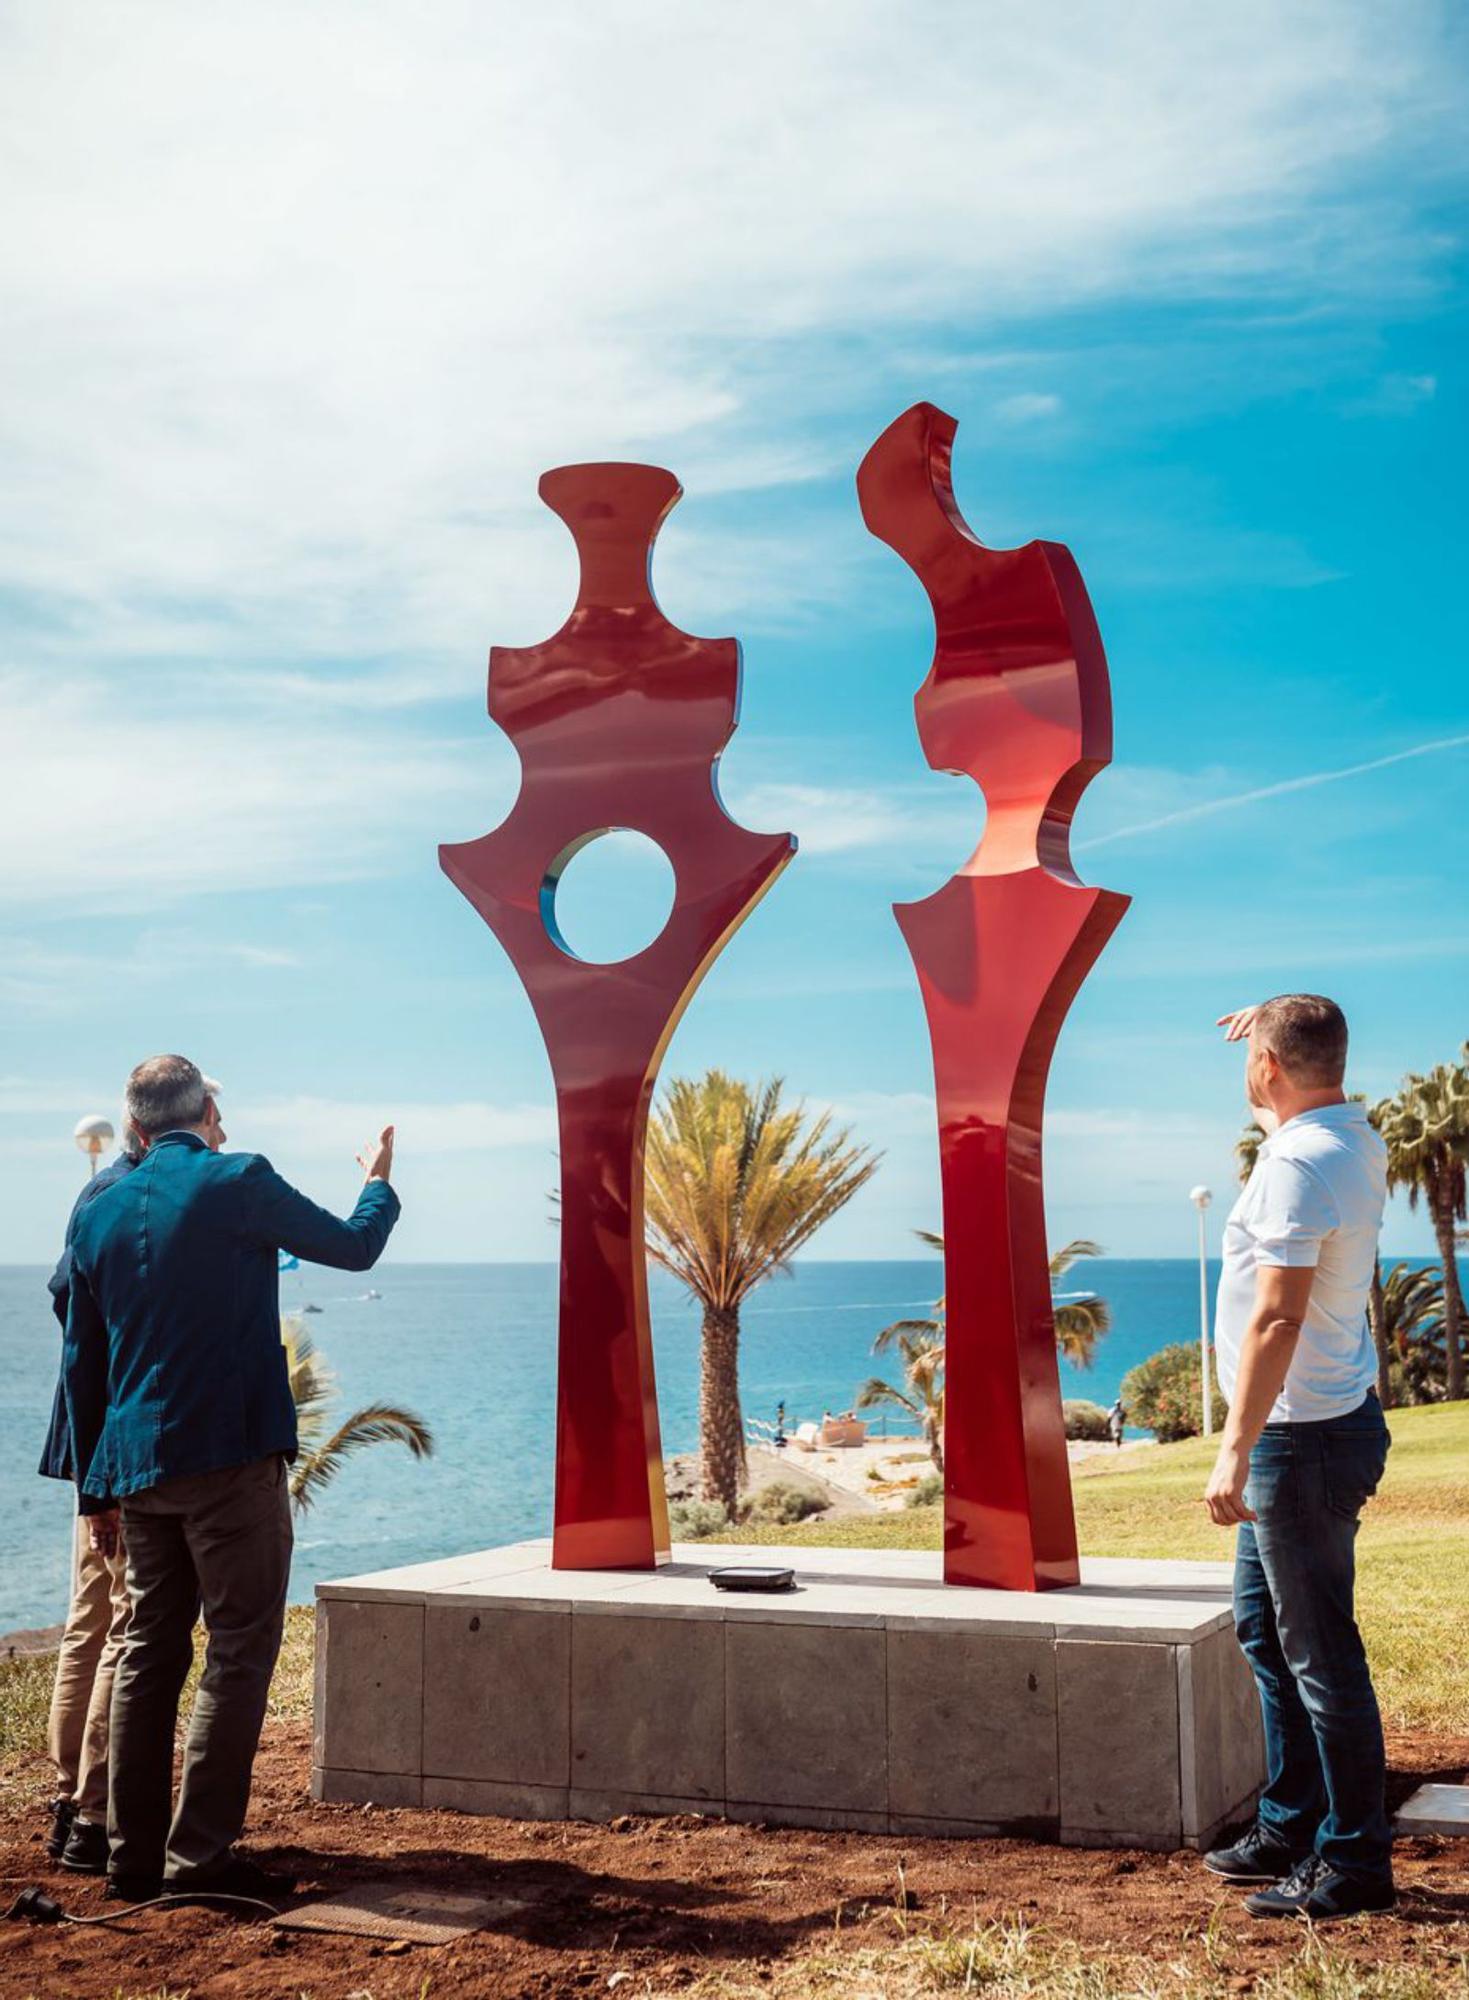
x,y
471,1348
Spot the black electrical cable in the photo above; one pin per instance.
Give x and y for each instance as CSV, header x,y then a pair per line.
x,y
39,1908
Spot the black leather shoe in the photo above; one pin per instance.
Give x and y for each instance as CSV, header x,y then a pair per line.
x,y
63,1812
1324,1894
86,1850
240,1876
133,1888
1261,1856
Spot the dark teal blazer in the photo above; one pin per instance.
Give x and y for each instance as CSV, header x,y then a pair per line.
x,y
172,1360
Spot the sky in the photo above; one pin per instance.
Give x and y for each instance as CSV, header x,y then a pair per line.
x,y
300,303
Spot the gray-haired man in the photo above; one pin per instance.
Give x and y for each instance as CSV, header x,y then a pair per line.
x,y
1304,1447
181,1411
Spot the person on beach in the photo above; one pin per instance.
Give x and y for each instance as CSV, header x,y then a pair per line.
x,y
1303,1449
182,1424
1116,1422
76,1731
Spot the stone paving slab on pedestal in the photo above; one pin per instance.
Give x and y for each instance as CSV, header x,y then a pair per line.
x,y
1441,1809
872,1695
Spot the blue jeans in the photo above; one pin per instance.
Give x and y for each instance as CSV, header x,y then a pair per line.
x,y
1293,1578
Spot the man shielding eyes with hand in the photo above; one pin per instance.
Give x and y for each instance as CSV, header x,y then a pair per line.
x,y
1304,1447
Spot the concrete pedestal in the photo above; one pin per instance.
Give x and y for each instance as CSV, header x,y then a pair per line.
x,y
1120,1713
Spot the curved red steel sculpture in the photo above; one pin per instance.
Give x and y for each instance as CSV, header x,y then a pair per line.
x,y
1018,698
619,720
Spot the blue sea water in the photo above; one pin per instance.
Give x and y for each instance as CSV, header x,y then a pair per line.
x,y
471,1347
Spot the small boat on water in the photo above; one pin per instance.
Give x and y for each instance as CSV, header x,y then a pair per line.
x,y
369,1294
310,1309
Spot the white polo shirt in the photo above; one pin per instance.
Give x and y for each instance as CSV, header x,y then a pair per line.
x,y
1316,1197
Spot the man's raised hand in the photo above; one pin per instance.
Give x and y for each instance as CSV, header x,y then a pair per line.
x,y
1237,1025
377,1162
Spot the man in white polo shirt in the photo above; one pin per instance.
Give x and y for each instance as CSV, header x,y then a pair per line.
x,y
1303,1450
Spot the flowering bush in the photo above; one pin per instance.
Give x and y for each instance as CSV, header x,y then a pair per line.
x,y
1085,1421
1164,1394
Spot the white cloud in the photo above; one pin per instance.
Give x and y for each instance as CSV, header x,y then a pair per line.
x,y
1396,396
109,804
301,300
312,1127
1027,407
825,819
22,1096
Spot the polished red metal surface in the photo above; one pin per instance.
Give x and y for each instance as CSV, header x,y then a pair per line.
x,y
1018,698
619,720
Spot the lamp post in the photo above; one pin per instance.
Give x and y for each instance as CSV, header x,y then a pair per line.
x,y
94,1136
1201,1197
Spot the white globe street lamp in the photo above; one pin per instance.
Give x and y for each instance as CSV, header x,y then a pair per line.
x,y
94,1135
1201,1197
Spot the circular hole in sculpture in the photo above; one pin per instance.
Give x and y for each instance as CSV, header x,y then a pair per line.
x,y
608,895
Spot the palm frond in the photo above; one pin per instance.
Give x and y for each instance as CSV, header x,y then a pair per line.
x,y
313,1386
1063,1259
875,1391
1247,1149
375,1423
738,1183
890,1335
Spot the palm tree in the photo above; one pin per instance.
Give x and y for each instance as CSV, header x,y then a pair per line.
x,y
1080,1322
1425,1128
737,1183
313,1389
1413,1326
923,1399
1247,1149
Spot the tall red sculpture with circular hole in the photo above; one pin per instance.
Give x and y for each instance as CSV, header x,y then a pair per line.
x,y
1018,697
619,721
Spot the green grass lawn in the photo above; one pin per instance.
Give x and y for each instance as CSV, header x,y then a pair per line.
x,y
1413,1553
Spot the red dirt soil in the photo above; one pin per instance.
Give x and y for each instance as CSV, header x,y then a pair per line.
x,y
668,1900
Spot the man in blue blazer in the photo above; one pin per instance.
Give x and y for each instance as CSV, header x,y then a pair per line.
x,y
182,1425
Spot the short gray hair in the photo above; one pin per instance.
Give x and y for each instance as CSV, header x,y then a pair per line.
x,y
166,1092
1307,1034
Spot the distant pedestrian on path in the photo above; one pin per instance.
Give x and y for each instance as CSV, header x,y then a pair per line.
x,y
1116,1422
1304,1447
182,1423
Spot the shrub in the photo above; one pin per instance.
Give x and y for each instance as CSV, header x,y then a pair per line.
x,y
780,1505
1086,1422
928,1492
1163,1395
694,1520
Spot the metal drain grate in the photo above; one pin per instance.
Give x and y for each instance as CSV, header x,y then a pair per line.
x,y
389,1910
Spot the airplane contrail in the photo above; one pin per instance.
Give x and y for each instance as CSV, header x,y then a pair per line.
x,y
1274,791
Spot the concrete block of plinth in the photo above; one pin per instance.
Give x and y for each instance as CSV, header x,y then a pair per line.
x,y
1441,1809
647,1706
870,1697
496,1695
1118,1744
972,1729
367,1788
482,1795
806,1716
1221,1740
370,1668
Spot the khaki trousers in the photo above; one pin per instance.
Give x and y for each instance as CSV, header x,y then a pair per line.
x,y
219,1542
76,1736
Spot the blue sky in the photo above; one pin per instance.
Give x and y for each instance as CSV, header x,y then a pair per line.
x,y
302,302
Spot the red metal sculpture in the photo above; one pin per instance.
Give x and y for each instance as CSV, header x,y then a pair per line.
x,y
619,720
1018,698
